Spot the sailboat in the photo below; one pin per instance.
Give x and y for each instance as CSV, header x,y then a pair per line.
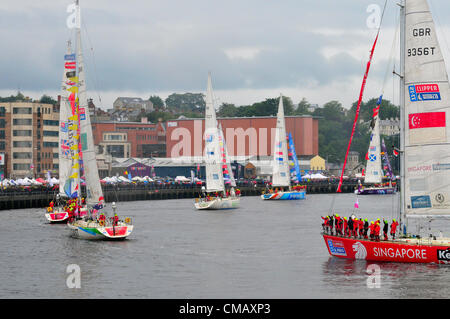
x,y
83,156
70,187
281,175
216,162
424,149
374,172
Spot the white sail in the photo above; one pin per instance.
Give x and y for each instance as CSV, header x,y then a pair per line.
x,y
68,137
227,157
281,174
427,103
213,161
93,186
373,173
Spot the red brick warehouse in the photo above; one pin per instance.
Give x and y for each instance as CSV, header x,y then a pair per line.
x,y
245,137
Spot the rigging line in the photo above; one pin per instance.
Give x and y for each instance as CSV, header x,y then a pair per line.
x,y
96,82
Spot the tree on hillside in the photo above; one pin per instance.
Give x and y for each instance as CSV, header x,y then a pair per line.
x,y
158,103
302,107
186,102
227,110
47,100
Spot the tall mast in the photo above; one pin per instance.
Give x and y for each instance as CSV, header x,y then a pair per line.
x,y
402,111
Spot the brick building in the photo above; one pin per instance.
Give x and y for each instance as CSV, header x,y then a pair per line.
x,y
130,139
245,137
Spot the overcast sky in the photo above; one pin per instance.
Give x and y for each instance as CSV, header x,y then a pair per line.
x,y
255,49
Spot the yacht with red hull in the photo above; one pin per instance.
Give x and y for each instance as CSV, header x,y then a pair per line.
x,y
403,250
424,149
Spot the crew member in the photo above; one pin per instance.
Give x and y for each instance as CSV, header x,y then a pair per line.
x,y
385,229
393,228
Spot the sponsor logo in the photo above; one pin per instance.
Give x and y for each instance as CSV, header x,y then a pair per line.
x,y
419,169
443,255
400,253
69,57
336,248
82,112
439,198
421,201
359,250
441,167
424,92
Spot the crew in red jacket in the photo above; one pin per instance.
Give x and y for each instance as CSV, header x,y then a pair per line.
x,y
393,228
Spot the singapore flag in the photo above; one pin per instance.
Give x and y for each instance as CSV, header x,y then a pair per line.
x,y
427,127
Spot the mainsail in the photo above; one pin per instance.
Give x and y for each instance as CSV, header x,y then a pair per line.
x,y
425,120
214,174
281,174
69,182
373,166
93,187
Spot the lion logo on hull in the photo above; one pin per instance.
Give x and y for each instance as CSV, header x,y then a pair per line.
x,y
360,250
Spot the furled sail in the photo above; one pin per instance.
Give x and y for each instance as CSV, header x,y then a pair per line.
x,y
427,102
214,174
281,173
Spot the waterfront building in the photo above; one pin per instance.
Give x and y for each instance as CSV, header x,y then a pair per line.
x,y
28,139
130,139
246,138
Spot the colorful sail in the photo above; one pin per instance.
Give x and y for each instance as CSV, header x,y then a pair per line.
x,y
213,158
68,138
374,173
281,174
293,156
427,105
386,162
226,165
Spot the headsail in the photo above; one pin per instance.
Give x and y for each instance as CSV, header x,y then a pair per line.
x,y
293,155
226,162
281,174
427,104
373,166
214,174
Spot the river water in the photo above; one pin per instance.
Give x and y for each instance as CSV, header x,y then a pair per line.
x,y
263,249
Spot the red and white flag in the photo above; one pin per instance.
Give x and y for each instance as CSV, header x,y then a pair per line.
x,y
427,127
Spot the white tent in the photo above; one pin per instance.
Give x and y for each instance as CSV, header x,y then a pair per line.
x,y
124,179
318,176
182,179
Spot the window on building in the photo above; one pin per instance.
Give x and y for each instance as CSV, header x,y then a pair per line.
x,y
2,146
22,110
50,144
22,155
2,134
116,150
22,144
21,132
51,133
22,121
2,111
21,167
